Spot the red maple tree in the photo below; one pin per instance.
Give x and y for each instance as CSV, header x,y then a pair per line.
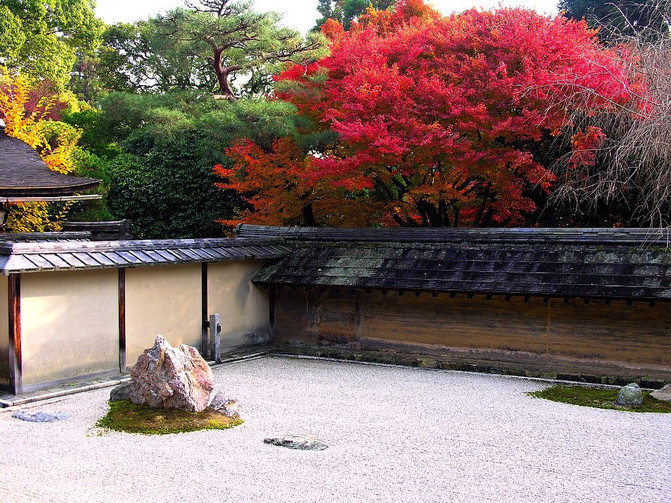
x,y
435,116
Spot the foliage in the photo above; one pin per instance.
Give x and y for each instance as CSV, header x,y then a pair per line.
x,y
348,11
643,19
163,179
123,415
30,112
599,398
43,37
279,175
204,47
629,180
439,121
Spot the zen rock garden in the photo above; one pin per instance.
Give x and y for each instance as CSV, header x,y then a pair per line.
x,y
179,378
174,378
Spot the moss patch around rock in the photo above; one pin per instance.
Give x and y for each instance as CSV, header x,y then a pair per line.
x,y
599,398
128,417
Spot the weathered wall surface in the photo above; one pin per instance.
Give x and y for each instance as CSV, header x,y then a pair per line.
x,y
69,324
4,331
551,334
243,308
164,300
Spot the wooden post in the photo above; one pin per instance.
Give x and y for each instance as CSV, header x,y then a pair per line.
x,y
122,320
215,328
15,358
204,340
271,307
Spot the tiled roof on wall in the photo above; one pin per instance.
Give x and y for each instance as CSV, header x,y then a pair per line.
x,y
60,256
632,264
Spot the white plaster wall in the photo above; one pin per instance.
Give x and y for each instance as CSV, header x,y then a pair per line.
x,y
69,324
4,330
243,307
165,300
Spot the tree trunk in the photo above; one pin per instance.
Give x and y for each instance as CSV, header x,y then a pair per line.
x,y
222,73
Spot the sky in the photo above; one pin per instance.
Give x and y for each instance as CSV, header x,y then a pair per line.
x,y
298,14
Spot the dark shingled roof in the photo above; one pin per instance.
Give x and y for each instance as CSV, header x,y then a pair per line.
x,y
24,174
632,264
61,256
44,237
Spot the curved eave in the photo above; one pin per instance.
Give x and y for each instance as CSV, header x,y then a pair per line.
x,y
69,189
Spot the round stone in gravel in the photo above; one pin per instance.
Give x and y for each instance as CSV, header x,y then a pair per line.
x,y
41,417
303,443
630,395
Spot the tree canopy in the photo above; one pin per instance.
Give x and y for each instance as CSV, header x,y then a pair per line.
x,y
161,178
347,11
441,121
204,47
44,37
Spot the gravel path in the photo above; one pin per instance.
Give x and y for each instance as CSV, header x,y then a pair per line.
x,y
394,435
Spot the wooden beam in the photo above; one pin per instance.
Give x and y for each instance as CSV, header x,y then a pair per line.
x,y
15,357
122,320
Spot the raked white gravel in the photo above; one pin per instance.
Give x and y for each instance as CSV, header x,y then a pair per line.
x,y
395,434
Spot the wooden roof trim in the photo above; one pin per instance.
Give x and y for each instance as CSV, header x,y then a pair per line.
x,y
637,236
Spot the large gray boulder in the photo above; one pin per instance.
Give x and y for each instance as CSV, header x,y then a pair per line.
x,y
171,378
630,395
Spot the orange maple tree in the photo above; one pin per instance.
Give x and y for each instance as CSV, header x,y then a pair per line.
x,y
434,118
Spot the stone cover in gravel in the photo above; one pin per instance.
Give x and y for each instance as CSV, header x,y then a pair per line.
x,y
41,417
300,442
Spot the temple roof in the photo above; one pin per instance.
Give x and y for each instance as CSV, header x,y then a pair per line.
x,y
24,174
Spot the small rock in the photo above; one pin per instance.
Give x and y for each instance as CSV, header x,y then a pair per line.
x,y
428,363
229,407
41,417
121,392
303,443
630,395
662,394
171,378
